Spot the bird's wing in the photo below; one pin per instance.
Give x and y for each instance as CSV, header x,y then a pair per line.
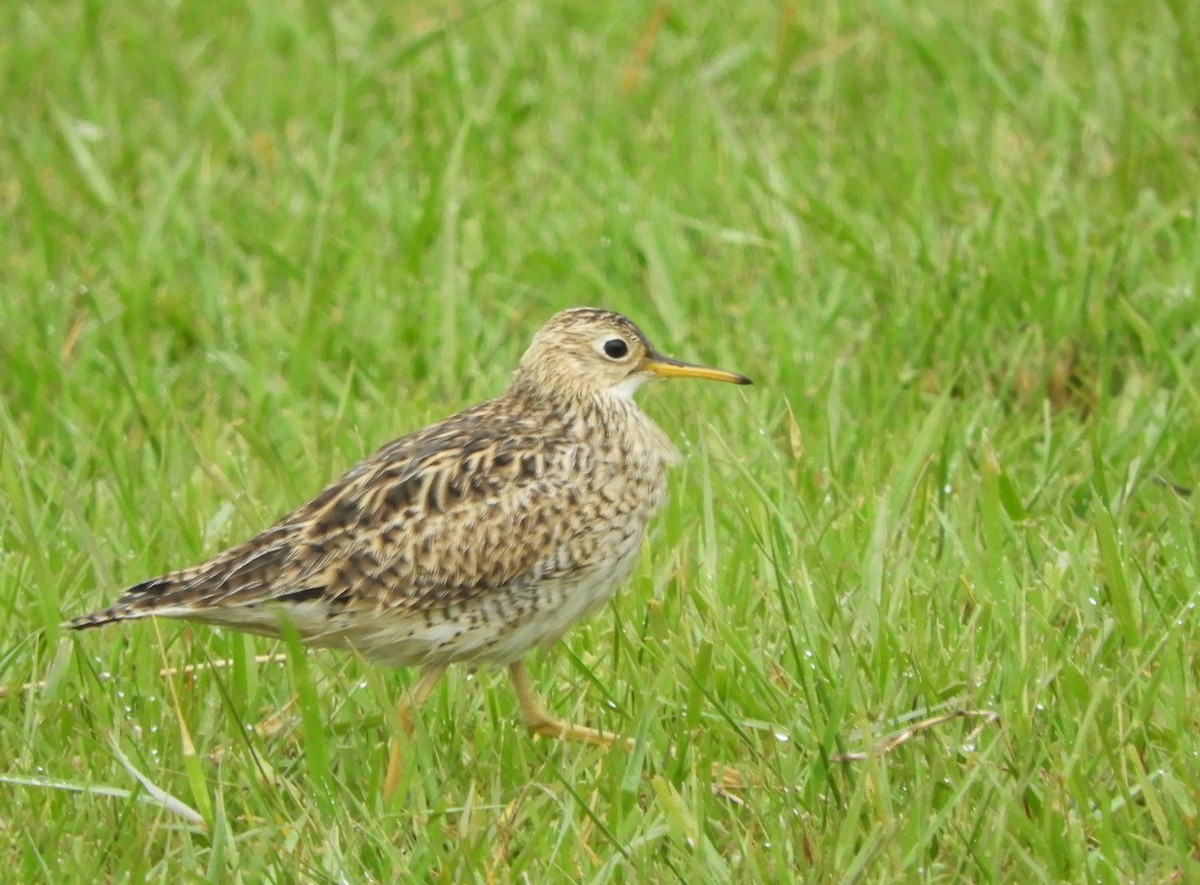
x,y
430,520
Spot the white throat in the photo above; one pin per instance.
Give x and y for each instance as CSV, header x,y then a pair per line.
x,y
627,388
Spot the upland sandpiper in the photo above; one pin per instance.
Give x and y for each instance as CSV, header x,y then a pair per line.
x,y
476,539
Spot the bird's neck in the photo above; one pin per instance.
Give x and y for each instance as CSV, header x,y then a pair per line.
x,y
593,416
572,405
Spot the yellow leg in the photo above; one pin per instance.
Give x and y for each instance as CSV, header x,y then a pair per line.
x,y
535,717
414,697
538,720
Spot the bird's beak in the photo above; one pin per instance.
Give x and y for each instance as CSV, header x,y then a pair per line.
x,y
664,367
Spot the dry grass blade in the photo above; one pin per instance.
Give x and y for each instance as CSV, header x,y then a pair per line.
x,y
902,737
166,672
645,47
157,794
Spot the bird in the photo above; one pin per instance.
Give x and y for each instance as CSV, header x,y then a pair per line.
x,y
476,539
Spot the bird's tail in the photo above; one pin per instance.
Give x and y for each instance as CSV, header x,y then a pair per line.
x,y
139,601
105,616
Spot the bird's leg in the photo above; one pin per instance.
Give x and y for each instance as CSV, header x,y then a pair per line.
x,y
414,697
536,718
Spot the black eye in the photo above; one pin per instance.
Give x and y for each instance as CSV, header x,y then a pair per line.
x,y
615,348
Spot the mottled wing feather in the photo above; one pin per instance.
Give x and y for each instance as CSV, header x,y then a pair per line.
x,y
430,520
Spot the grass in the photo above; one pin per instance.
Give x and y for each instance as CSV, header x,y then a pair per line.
x,y
956,247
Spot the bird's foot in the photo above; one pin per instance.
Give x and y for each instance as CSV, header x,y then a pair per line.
x,y
541,723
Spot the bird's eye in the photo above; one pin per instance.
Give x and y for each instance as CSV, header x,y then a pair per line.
x,y
615,348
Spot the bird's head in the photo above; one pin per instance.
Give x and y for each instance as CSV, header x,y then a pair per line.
x,y
590,351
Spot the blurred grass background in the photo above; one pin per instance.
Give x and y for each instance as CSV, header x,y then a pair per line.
x,y
955,246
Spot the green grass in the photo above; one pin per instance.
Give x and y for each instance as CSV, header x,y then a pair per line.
x,y
955,245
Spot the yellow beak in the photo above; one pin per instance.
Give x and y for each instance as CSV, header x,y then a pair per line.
x,y
665,367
